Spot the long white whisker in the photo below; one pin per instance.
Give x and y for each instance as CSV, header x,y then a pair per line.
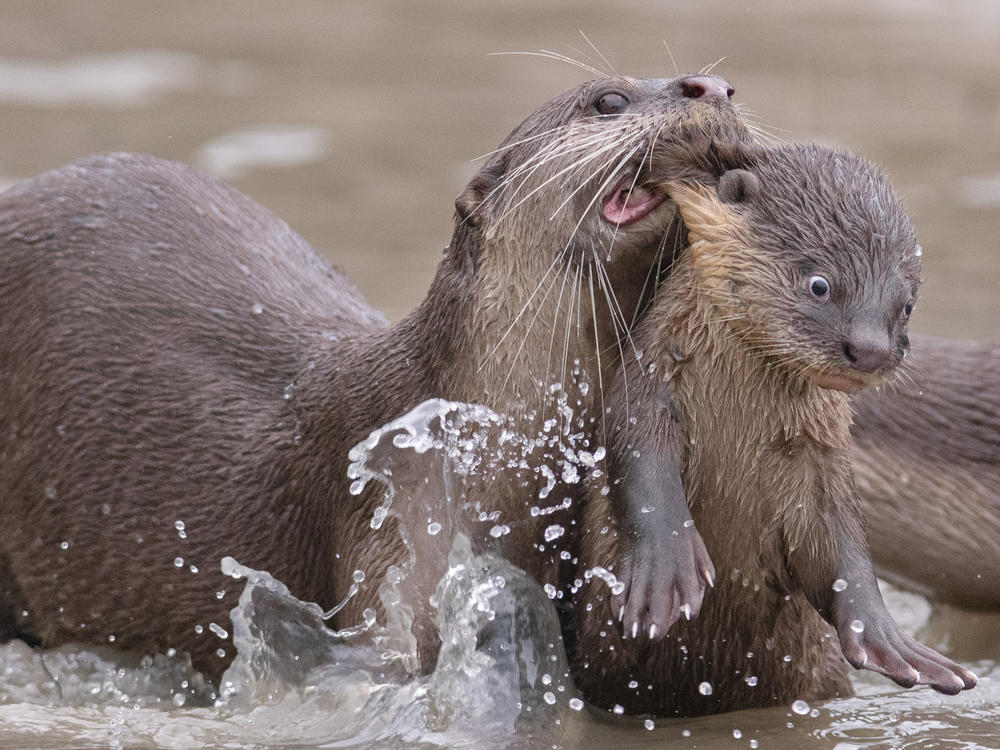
x,y
599,53
597,194
597,349
677,71
569,316
556,56
527,332
519,314
709,68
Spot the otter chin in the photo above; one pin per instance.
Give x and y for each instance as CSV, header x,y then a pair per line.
x,y
846,382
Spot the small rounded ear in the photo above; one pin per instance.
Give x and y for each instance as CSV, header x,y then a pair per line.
x,y
469,202
738,186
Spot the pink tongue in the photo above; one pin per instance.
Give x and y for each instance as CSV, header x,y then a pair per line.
x,y
622,209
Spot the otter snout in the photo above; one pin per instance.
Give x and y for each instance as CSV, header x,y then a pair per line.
x,y
706,87
867,354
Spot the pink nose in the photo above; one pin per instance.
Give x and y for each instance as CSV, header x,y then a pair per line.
x,y
706,87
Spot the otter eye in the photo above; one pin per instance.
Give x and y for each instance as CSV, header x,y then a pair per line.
x,y
611,103
819,287
907,310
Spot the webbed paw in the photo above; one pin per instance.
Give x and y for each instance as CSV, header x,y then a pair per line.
x,y
664,580
877,643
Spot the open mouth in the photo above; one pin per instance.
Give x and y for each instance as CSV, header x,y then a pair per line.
x,y
628,202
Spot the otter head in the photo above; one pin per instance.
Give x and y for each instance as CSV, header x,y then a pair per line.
x,y
561,231
810,254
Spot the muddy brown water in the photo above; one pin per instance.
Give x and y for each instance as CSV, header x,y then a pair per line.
x,y
358,123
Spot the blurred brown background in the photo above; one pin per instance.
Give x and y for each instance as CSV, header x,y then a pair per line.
x,y
358,123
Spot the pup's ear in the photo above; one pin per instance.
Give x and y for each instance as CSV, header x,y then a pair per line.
x,y
738,186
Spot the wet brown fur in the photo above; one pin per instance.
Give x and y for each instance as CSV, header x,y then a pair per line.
x,y
170,351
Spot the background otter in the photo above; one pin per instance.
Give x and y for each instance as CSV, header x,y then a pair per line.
x,y
928,470
762,328
182,377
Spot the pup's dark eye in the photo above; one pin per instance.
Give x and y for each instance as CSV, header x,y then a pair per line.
x,y
611,103
907,309
819,286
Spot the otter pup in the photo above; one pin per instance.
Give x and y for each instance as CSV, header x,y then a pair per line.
x,y
182,377
795,291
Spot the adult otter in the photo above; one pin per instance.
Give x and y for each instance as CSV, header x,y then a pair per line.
x,y
927,461
760,332
181,377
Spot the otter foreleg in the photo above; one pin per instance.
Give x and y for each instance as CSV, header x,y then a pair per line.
x,y
846,593
663,562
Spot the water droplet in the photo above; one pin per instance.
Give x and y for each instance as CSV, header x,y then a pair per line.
x,y
553,532
857,626
220,594
688,524
737,734
751,680
359,576
179,525
786,658
705,688
754,744
618,710
199,629
433,528
193,568
649,724
50,490
839,585
549,697
499,530
178,562
111,638
218,630
257,309
800,707
685,733
919,251
550,590
178,699
63,545
576,704
633,684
